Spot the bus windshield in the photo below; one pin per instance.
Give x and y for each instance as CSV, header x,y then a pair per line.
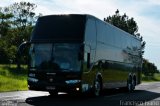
x,y
55,57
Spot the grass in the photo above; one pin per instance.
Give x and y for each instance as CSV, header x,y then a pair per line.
x,y
12,79
154,77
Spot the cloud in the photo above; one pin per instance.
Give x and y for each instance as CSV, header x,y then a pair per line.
x,y
5,3
79,6
154,2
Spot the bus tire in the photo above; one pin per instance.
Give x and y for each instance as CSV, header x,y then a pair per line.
x,y
133,83
97,88
130,84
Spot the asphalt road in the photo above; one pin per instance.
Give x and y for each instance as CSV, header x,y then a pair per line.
x,y
146,94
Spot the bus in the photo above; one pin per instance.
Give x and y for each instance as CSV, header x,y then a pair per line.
x,y
77,53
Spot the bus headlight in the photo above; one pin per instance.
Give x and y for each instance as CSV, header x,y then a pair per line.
x,y
32,79
72,81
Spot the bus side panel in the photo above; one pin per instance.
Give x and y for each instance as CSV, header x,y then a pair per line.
x,y
114,74
115,54
90,44
121,53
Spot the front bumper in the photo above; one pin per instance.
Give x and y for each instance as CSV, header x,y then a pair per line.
x,y
60,87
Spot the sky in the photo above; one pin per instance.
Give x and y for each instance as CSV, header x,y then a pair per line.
x,y
145,12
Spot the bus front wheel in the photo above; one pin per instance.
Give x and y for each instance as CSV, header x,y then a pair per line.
x,y
97,88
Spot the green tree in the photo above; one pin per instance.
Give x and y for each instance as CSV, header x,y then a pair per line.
x,y
149,68
5,25
23,20
16,24
127,24
3,53
5,22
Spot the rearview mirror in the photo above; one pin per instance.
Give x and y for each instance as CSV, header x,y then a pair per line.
x,y
20,52
22,47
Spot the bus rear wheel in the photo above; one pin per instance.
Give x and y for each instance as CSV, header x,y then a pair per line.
x,y
130,84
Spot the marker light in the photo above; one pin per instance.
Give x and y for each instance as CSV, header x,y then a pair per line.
x,y
77,89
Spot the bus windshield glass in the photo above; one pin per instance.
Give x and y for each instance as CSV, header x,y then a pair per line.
x,y
55,57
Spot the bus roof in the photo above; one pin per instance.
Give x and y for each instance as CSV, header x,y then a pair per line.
x,y
63,28
59,28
